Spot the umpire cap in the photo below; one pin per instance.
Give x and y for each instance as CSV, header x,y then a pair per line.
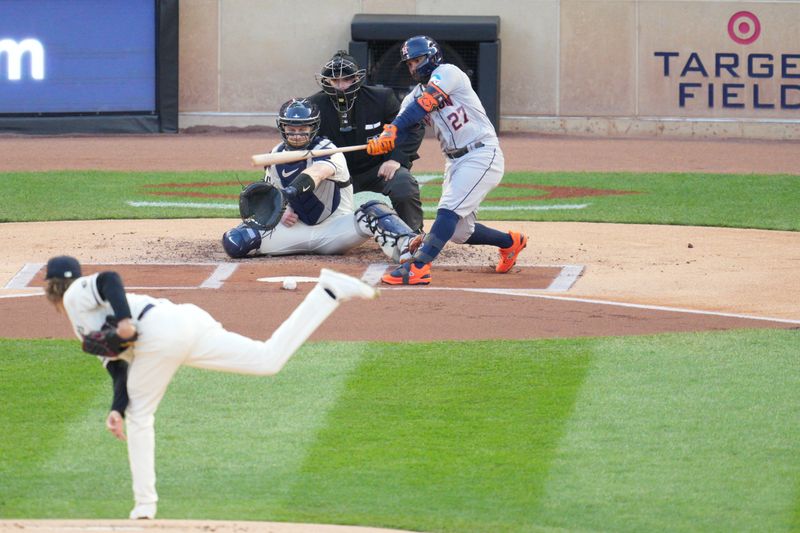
x,y
63,266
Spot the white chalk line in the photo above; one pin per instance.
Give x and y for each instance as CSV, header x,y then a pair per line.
x,y
25,295
26,274
375,268
219,276
191,205
281,279
566,278
374,273
522,293
221,273
422,179
132,288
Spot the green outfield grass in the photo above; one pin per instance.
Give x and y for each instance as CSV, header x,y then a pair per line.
x,y
747,201
678,432
673,432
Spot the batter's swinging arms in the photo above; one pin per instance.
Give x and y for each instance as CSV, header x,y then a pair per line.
x,y
142,341
444,98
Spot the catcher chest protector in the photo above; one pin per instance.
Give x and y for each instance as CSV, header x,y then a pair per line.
x,y
386,227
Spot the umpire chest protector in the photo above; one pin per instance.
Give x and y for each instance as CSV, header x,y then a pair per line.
x,y
373,107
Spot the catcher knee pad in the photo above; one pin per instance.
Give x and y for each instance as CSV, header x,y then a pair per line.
x,y
239,241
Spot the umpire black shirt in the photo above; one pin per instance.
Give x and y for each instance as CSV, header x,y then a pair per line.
x,y
373,107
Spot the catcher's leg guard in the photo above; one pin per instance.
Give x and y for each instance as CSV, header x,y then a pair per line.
x,y
379,221
241,240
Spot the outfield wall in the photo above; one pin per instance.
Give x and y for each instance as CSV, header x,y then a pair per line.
x,y
689,68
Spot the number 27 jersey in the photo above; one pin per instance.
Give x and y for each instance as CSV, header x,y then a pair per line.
x,y
463,120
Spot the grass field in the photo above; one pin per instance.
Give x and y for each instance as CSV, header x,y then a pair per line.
x,y
674,432
691,432
747,201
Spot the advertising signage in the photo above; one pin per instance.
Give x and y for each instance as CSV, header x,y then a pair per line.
x,y
738,77
100,59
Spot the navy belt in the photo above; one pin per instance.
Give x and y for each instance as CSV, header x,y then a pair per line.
x,y
455,154
147,308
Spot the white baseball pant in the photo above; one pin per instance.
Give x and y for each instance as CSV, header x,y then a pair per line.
x,y
335,235
171,335
467,181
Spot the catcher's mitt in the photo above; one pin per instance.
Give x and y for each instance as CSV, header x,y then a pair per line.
x,y
261,205
105,341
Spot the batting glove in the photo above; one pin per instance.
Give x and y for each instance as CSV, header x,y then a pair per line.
x,y
383,143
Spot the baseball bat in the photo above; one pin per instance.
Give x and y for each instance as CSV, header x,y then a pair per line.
x,y
291,156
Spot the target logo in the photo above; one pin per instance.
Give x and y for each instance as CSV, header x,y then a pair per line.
x,y
744,27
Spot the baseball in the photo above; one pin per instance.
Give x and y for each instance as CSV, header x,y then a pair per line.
x,y
289,284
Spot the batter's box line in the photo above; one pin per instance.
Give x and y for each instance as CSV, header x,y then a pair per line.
x,y
221,273
22,279
562,283
573,299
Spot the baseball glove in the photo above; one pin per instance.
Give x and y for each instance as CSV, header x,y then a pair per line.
x,y
105,341
261,206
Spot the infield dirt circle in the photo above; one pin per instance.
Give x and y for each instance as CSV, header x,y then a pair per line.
x,y
574,279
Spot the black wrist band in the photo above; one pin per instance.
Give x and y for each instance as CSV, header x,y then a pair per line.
x,y
303,183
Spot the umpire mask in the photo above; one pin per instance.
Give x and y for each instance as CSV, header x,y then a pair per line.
x,y
340,79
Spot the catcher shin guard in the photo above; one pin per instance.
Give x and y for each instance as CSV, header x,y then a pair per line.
x,y
239,241
379,221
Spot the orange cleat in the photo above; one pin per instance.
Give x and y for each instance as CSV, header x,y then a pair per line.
x,y
408,274
508,256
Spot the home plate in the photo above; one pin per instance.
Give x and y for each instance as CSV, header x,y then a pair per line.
x,y
281,279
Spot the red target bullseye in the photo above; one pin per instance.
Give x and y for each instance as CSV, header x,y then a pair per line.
x,y
744,27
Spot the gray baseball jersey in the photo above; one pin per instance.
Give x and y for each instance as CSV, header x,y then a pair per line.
x,y
463,124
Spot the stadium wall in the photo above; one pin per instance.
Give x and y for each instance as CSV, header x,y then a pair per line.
x,y
686,68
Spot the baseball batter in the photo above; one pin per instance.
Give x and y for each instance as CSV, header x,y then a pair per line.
x,y
319,218
145,340
444,98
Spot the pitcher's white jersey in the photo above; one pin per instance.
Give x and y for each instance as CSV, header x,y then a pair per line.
x,y
463,121
87,311
334,193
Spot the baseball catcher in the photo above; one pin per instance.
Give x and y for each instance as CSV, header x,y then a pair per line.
x,y
306,207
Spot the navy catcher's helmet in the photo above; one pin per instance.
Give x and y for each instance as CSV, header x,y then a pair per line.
x,y
419,46
239,241
342,66
299,112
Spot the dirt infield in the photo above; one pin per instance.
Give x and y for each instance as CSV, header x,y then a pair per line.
x,y
573,280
